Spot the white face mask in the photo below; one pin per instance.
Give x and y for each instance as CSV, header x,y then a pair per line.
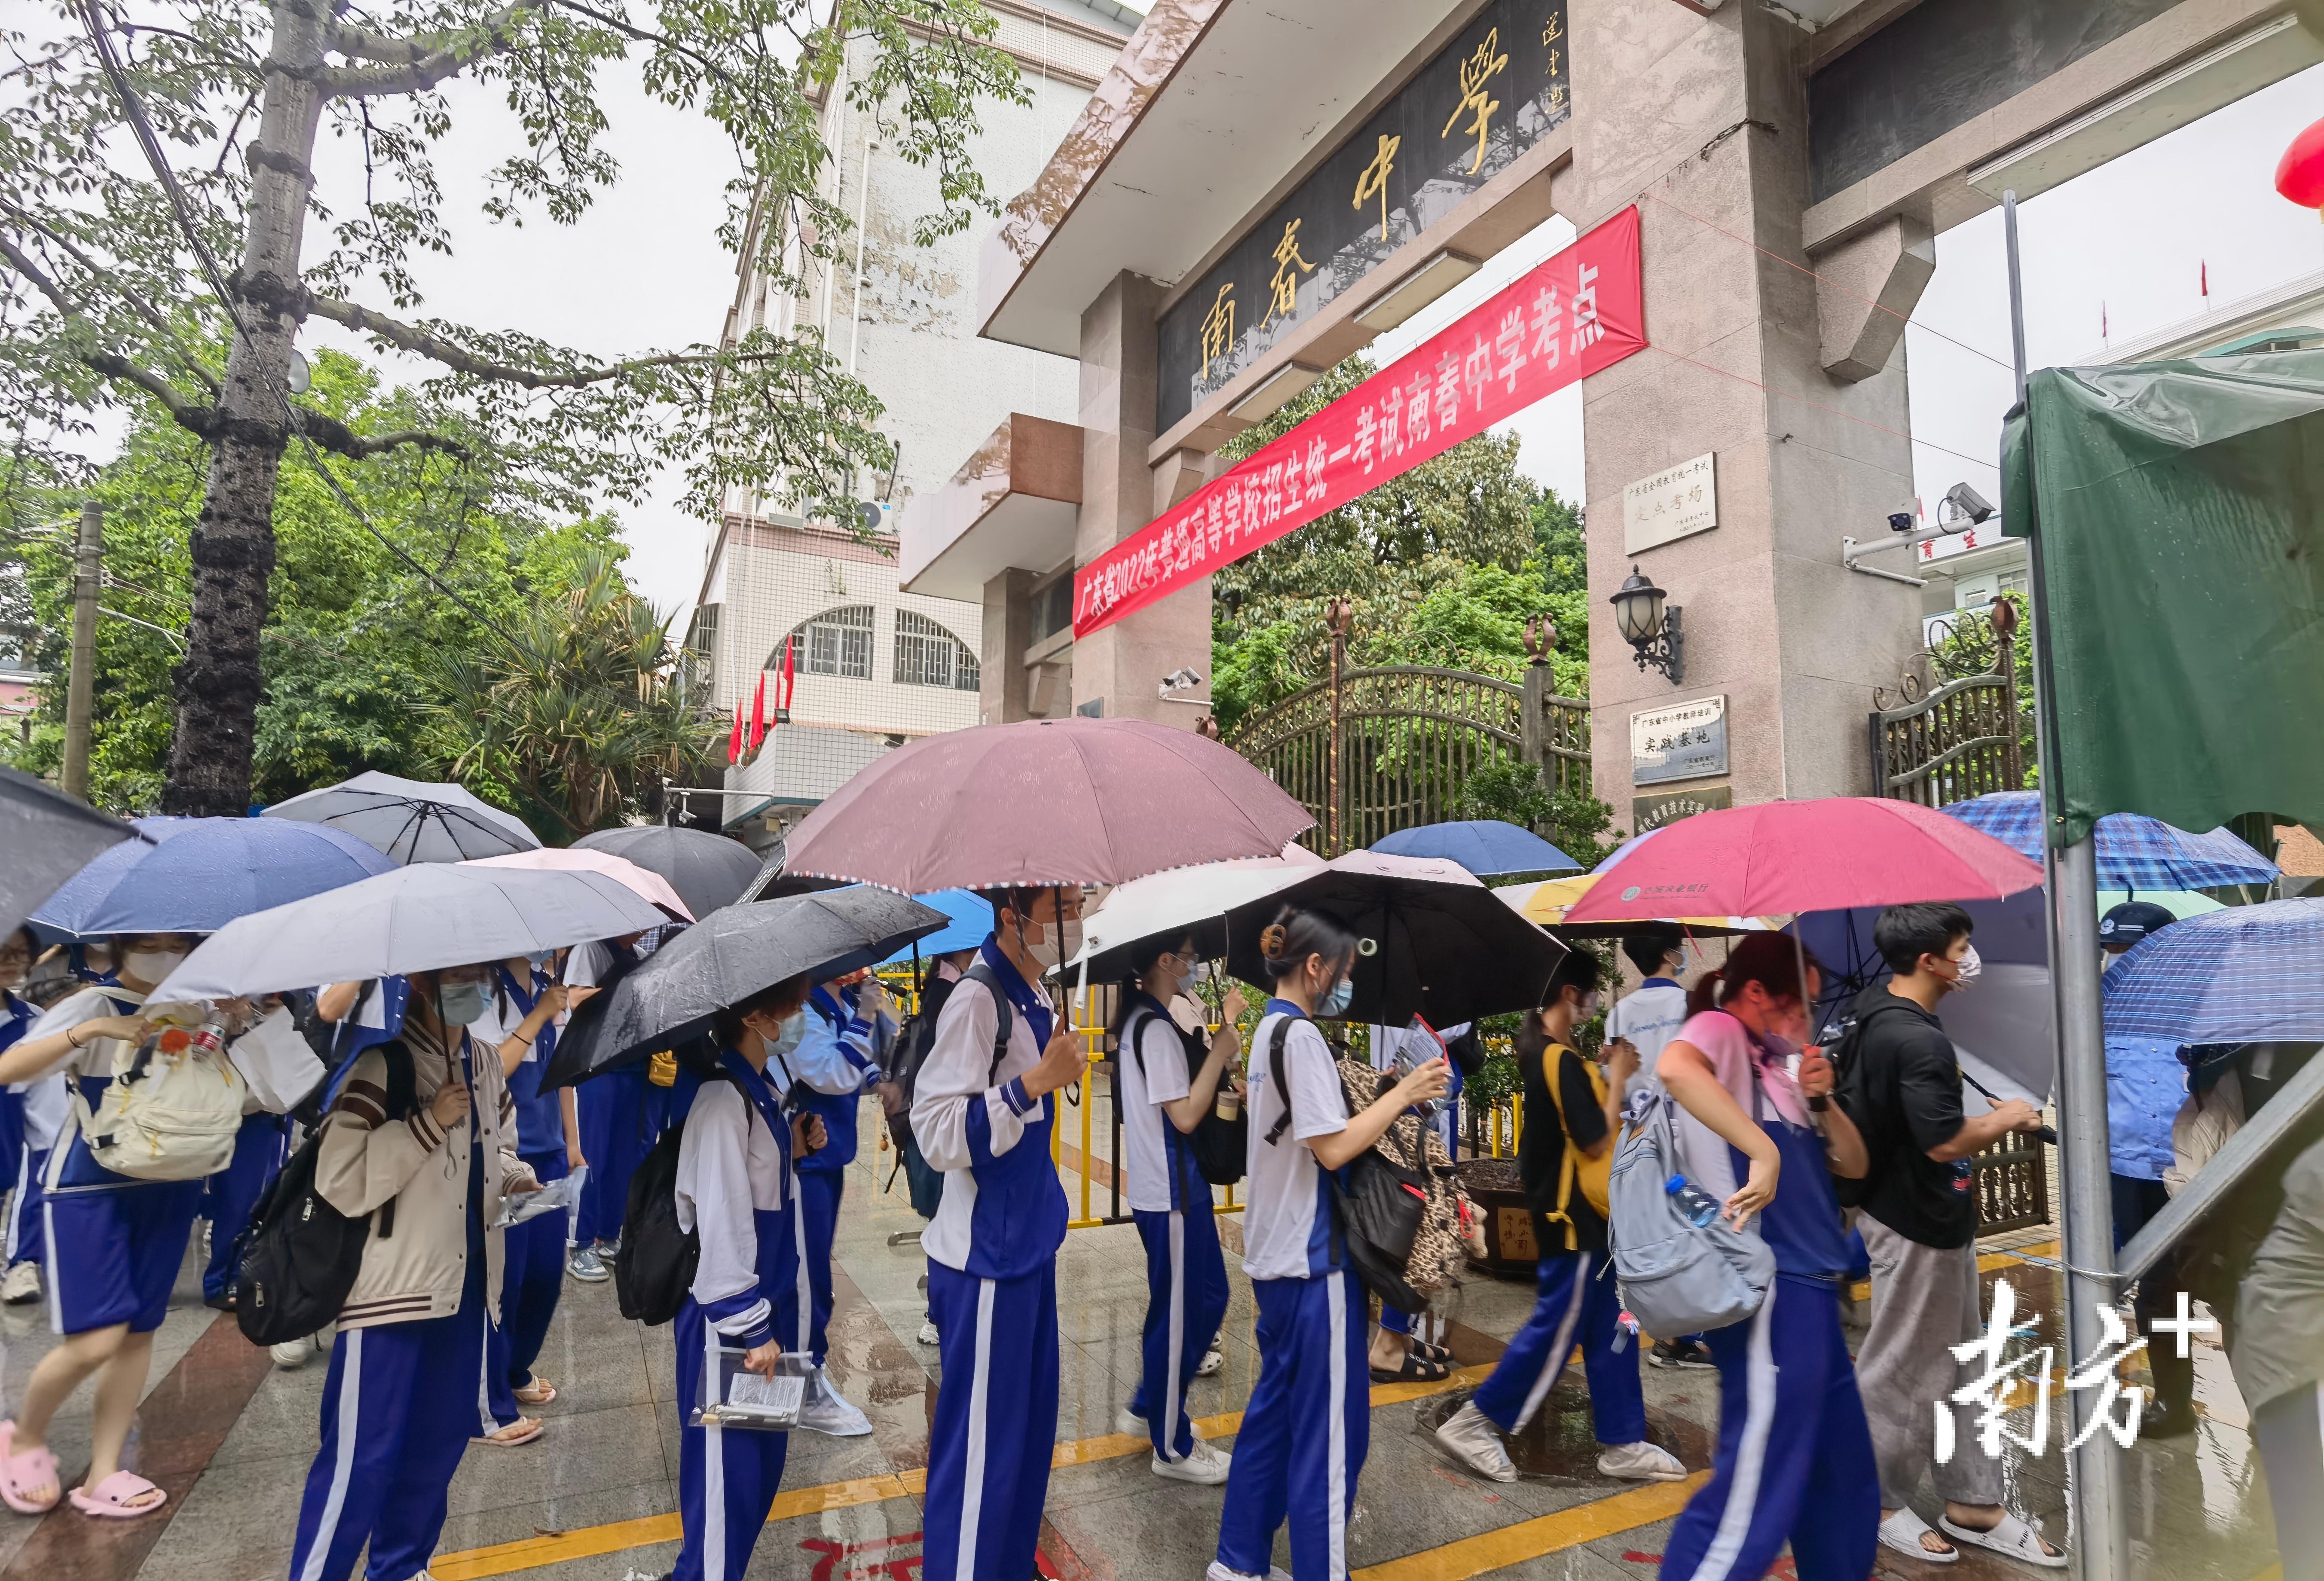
x,y
1060,942
151,966
1968,969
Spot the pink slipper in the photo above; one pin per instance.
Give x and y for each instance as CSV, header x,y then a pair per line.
x,y
32,1469
533,1430
110,1499
539,1391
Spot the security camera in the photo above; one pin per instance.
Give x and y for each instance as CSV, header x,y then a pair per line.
x,y
1900,521
1180,680
1967,504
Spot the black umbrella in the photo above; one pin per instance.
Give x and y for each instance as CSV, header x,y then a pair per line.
x,y
729,955
1435,941
48,837
707,871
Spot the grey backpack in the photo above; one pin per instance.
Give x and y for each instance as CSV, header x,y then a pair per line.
x,y
1675,1277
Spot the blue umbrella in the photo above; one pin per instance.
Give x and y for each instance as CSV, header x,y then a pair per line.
x,y
1487,847
202,873
2241,974
1627,847
972,920
2135,851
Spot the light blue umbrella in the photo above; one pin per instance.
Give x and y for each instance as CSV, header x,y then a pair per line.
x,y
2136,852
200,873
2240,974
1627,847
972,920
1488,847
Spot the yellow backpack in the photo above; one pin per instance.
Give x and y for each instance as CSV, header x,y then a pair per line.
x,y
1593,1173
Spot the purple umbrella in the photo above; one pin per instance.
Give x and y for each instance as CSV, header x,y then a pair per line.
x,y
1043,802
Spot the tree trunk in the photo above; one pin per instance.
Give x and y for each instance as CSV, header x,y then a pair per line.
x,y
220,680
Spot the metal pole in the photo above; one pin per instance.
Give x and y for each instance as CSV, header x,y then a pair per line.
x,y
2099,1537
81,683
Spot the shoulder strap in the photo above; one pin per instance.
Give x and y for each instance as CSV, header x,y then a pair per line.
x,y
1006,1020
1275,1074
401,1098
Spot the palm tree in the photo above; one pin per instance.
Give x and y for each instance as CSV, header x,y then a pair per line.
x,y
582,706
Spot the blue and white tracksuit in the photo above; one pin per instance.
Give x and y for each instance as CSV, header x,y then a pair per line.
x,y
1794,1461
1307,1428
1186,1273
834,1058
1575,1303
532,1261
23,1140
992,1282
736,1190
622,1112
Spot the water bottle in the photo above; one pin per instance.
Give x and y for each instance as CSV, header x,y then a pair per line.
x,y
1696,1208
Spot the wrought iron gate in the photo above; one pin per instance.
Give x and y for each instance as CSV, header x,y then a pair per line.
x,y
1370,751
1964,737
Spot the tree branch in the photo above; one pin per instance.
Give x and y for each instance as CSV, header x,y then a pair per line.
x,y
335,436
413,65
143,308
191,416
436,348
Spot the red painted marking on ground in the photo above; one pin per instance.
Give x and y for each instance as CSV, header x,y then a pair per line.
x,y
902,1567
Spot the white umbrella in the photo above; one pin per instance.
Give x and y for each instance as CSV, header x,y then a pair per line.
x,y
643,882
418,918
1184,900
411,820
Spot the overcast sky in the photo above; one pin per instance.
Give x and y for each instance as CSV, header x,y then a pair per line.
x,y
644,268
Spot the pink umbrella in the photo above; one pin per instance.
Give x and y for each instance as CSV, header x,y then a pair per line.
x,y
1043,802
647,884
1822,855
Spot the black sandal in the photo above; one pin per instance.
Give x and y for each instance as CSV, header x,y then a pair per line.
x,y
1435,1353
1417,1369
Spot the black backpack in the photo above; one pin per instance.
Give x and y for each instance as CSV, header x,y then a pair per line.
x,y
1220,1146
654,1268
1376,1203
301,1255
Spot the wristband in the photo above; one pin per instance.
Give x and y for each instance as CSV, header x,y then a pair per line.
x,y
1819,1102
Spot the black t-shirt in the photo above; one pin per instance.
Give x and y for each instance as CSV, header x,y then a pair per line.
x,y
1541,1151
1903,1088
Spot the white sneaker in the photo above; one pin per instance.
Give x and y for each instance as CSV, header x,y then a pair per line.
x,y
928,1335
22,1283
1641,1462
1127,1420
826,1413
1218,1572
586,1266
1472,1438
1205,1464
1212,1362
292,1353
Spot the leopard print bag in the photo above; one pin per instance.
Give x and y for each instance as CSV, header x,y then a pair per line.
x,y
1438,1250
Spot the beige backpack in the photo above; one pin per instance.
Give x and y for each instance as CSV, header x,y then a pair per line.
x,y
171,1110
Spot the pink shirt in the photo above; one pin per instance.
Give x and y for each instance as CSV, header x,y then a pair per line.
x,y
1727,1046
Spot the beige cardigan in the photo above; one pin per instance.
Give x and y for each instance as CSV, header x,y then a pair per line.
x,y
366,1160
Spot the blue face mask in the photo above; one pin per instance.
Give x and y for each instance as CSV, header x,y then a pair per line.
x,y
1336,1003
794,1028
460,1003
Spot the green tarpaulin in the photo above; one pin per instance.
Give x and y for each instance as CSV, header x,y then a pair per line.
x,y
2181,508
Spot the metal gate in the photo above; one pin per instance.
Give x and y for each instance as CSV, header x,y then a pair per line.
x,y
1370,751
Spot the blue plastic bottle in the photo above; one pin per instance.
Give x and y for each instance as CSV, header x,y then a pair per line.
x,y
1696,1208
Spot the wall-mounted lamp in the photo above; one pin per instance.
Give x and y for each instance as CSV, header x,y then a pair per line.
x,y
1649,626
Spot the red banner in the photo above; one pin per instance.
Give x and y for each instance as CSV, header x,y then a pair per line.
x,y
1581,311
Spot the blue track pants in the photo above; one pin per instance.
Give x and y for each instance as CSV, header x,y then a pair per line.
x,y
996,1424
1306,1431
1576,1304
1185,1298
727,1477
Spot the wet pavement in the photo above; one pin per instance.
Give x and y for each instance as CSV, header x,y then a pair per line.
x,y
231,1436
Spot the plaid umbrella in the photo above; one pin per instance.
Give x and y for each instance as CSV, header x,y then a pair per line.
x,y
2135,851
2242,974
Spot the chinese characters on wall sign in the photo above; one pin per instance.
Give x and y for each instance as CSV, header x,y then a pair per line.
x,y
1687,740
1577,313
1490,95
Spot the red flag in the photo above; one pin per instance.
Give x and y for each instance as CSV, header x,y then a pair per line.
x,y
2105,333
759,713
789,678
735,742
2207,280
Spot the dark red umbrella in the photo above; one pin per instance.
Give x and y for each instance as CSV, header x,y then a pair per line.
x,y
1045,802
1823,855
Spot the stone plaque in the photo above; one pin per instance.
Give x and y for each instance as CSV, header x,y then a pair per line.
x,y
1654,812
1674,503
1686,740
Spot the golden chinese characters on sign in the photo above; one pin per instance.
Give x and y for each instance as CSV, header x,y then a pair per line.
x,y
1218,327
1373,182
1476,72
1285,284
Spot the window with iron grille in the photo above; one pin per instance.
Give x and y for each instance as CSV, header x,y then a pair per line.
x,y
837,642
926,655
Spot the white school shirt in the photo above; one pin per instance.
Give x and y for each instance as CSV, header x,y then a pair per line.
x,y
730,1168
1648,1019
1164,1080
956,1077
48,1097
1287,1216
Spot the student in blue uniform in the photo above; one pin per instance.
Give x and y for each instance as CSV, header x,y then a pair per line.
x,y
1794,1460
834,1058
736,1190
984,1116
22,1150
621,1116
1577,1113
521,1028
228,1197
1308,1426
113,1245
400,1403
1165,1092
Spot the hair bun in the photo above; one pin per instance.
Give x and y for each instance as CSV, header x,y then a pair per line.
x,y
1271,939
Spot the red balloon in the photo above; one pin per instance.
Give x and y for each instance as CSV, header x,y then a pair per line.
x,y
2299,175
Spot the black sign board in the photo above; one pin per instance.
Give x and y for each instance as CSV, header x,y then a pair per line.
x,y
1654,812
1493,93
